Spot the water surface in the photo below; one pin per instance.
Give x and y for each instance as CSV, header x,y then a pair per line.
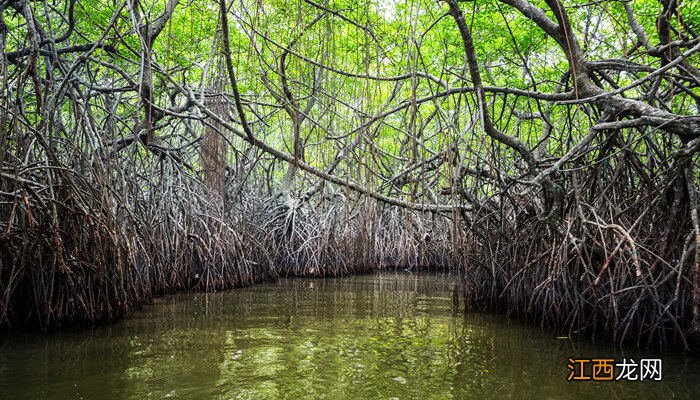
x,y
387,336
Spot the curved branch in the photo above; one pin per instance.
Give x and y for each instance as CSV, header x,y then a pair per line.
x,y
325,176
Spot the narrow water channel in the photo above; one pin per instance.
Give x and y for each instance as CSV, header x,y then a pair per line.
x,y
385,336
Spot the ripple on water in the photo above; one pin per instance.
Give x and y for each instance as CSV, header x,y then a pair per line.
x,y
372,336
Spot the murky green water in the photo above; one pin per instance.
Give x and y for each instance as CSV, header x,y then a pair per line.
x,y
364,337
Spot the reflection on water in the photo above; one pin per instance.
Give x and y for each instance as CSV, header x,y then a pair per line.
x,y
368,337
